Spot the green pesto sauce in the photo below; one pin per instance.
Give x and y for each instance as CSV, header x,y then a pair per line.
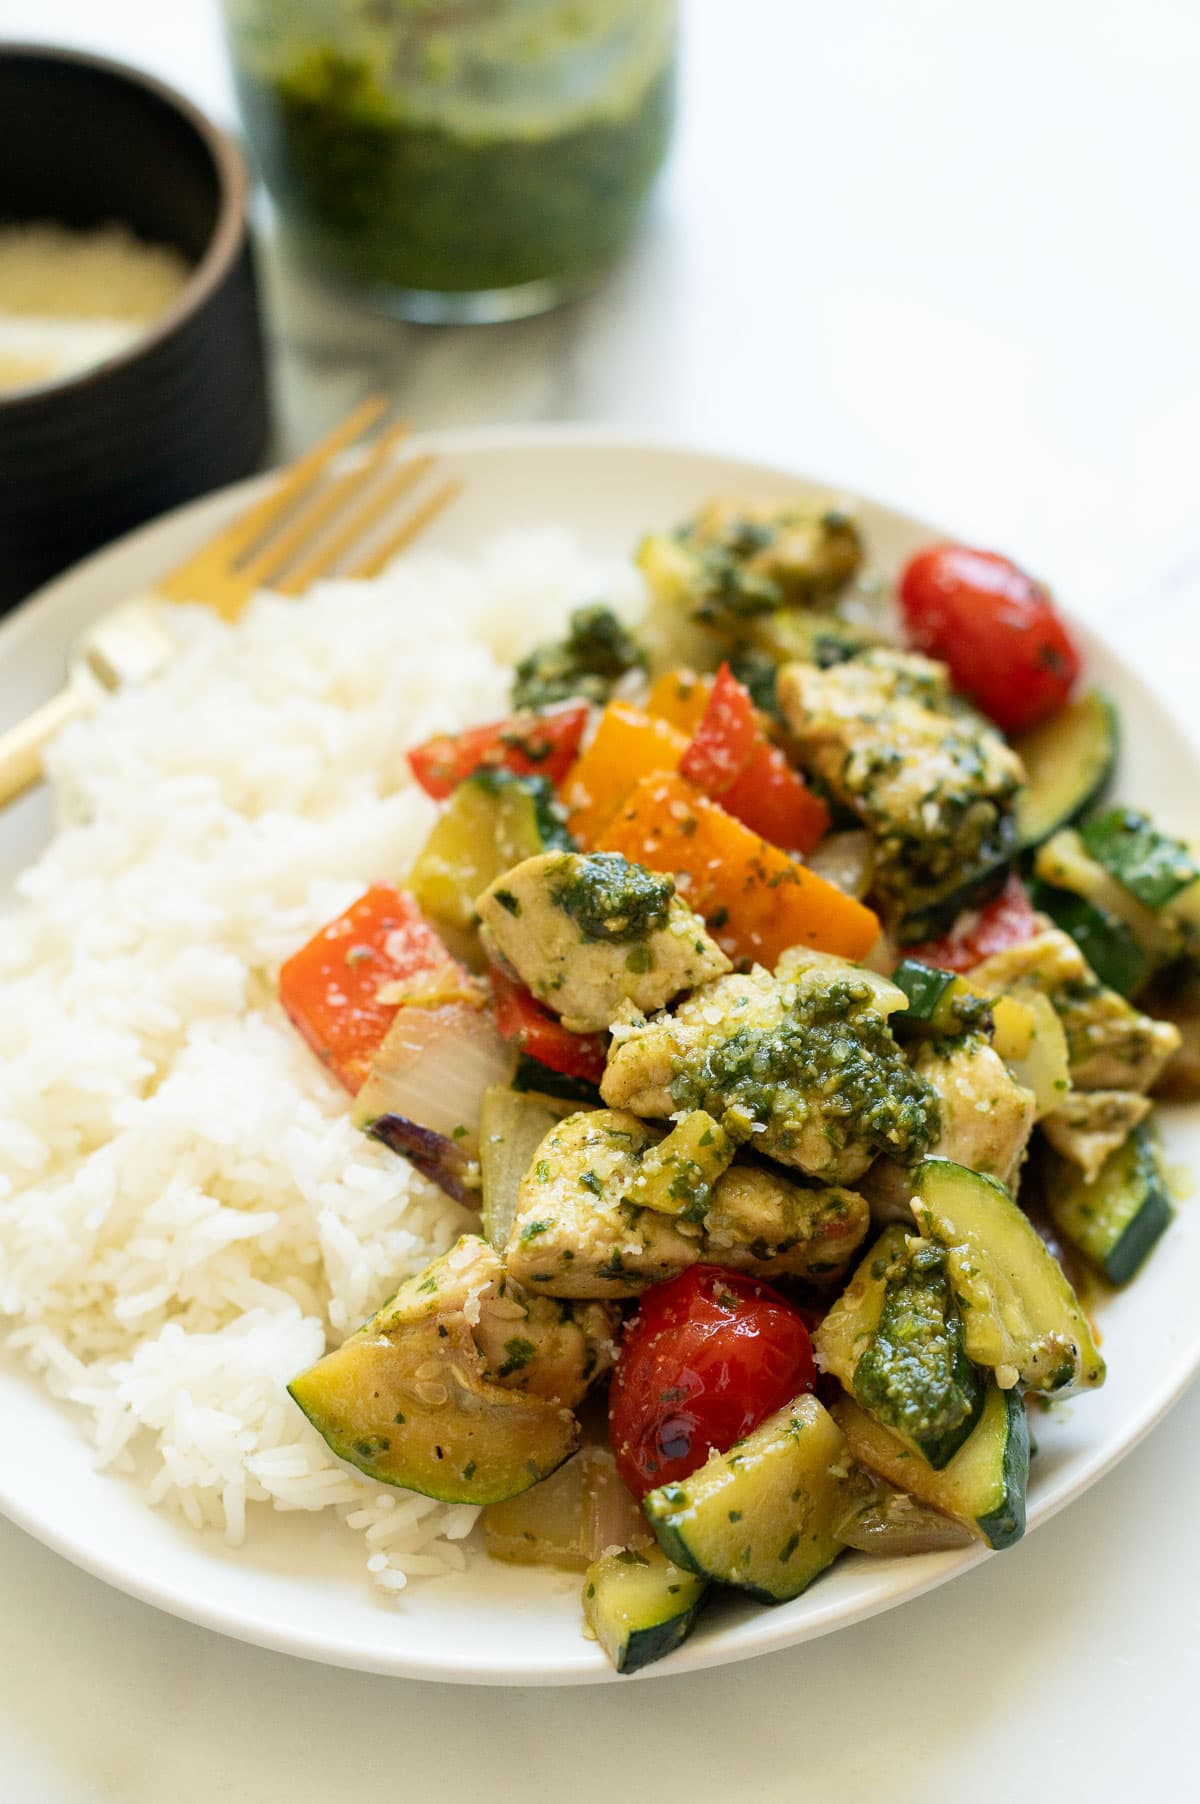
x,y
735,577
386,200
588,663
610,899
831,1054
971,831
915,1376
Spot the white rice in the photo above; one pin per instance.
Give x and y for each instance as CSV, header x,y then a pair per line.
x,y
187,1217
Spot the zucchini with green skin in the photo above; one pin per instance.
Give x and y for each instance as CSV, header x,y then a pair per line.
x,y
677,1176
1069,762
759,1517
640,1606
939,1002
895,1342
1120,918
493,821
1116,1219
410,1399
1107,943
984,1485
1020,1315
1152,866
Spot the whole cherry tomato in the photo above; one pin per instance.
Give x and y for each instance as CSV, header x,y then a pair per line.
x,y
708,1356
1007,920
995,627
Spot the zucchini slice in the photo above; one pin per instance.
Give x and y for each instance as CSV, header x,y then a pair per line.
x,y
1020,1315
939,1002
1150,865
409,1399
1107,943
984,1485
1115,1220
676,1177
1069,762
760,1516
894,1340
639,1605
493,821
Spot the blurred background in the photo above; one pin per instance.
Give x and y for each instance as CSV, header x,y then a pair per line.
x,y
937,252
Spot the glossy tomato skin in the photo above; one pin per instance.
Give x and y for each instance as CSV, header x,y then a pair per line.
x,y
708,1356
997,629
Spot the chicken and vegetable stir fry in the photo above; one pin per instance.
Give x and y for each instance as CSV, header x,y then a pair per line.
x,y
792,1007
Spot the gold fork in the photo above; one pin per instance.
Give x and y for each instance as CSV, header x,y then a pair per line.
x,y
308,526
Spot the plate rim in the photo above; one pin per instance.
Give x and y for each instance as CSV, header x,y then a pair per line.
x,y
767,1632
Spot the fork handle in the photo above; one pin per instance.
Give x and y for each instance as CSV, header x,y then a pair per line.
x,y
22,746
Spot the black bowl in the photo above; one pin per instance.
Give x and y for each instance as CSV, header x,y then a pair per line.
x,y
183,409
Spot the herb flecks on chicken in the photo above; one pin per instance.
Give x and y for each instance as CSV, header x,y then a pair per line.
x,y
586,932
737,560
576,1232
803,1065
934,783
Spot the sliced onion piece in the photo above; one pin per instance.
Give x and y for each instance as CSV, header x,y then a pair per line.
x,y
612,1515
433,1068
846,860
442,1161
878,1519
569,1519
512,1125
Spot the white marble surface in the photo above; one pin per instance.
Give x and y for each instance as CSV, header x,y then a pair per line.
x,y
946,253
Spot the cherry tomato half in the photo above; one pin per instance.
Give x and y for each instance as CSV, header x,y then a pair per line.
x,y
708,1356
995,627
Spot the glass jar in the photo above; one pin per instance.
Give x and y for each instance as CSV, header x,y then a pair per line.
x,y
457,160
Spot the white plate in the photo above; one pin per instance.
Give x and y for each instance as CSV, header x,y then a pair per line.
x,y
298,1584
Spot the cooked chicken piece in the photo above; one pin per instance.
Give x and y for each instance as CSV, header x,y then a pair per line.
x,y
1094,1124
574,1235
803,1064
739,559
759,1222
987,1118
586,932
530,1343
937,788
1112,1045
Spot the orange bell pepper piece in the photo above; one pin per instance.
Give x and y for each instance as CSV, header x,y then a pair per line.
x,y
756,900
680,696
628,745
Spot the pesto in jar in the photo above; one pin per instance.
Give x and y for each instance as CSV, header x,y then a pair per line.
x,y
435,184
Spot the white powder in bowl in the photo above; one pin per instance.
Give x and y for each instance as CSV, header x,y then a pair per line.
x,y
69,299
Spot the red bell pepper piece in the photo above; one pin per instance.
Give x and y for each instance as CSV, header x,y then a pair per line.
x,y
732,760
530,745
521,1018
331,987
1008,920
726,739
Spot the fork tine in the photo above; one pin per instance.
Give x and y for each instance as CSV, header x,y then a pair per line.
x,y
318,510
207,571
323,560
416,523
